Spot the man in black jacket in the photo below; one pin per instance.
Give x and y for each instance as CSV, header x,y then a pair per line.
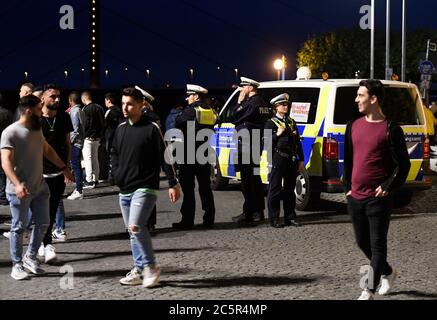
x,y
376,162
137,154
94,131
113,117
5,120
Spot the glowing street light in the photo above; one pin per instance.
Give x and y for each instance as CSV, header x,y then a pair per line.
x,y
148,73
106,73
26,75
278,65
191,73
66,74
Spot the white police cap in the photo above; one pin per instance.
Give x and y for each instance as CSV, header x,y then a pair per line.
x,y
194,89
145,94
248,82
280,99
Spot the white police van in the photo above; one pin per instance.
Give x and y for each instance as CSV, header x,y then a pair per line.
x,y
321,110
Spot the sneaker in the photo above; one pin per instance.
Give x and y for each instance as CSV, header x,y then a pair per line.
x,y
88,185
18,272
41,250
387,282
366,295
151,276
26,235
75,195
7,234
32,265
133,278
59,236
49,253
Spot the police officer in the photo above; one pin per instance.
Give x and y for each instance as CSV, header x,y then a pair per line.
x,y
250,114
202,116
287,159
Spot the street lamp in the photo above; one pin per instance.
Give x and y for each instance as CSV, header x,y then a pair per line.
x,y
148,74
66,74
106,73
191,74
26,75
278,65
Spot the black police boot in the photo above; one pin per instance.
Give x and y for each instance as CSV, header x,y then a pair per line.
x,y
258,216
239,217
183,225
275,223
292,222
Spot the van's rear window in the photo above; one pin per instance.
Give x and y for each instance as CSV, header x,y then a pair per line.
x,y
399,105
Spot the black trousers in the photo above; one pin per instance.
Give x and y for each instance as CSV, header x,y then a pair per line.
x,y
57,188
371,219
253,191
187,173
282,169
3,199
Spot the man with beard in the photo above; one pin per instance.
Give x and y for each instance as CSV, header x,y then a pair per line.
x,y
56,127
22,149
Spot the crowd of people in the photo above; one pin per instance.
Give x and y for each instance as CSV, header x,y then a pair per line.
x,y
45,147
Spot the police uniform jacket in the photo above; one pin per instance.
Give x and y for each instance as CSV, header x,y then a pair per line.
x,y
289,142
251,113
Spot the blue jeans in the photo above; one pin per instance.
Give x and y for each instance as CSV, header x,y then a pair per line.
x,y
136,209
76,156
60,216
39,204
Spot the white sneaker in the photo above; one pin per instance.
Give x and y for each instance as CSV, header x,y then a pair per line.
x,y
75,195
32,265
151,276
366,295
133,278
18,272
49,253
26,235
41,250
387,282
59,236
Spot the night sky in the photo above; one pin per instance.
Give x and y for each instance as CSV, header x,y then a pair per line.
x,y
169,37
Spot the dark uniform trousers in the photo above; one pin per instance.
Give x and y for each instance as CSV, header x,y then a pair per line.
x,y
251,186
282,168
202,172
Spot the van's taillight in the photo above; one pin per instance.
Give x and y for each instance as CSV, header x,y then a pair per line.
x,y
330,149
426,149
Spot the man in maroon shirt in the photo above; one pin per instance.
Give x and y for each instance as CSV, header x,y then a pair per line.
x,y
376,161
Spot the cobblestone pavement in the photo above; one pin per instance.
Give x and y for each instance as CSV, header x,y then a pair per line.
x,y
316,261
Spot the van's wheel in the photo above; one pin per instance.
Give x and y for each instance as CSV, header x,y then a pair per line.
x,y
218,182
305,198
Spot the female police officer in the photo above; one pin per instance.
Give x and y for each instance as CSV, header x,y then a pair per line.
x,y
287,159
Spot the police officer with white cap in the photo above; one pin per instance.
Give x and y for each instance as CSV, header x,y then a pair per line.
x,y
250,114
287,159
150,115
202,116
148,108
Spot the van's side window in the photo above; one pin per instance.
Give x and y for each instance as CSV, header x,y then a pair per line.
x,y
399,105
297,95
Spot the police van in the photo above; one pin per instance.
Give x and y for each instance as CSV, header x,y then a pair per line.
x,y
321,109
